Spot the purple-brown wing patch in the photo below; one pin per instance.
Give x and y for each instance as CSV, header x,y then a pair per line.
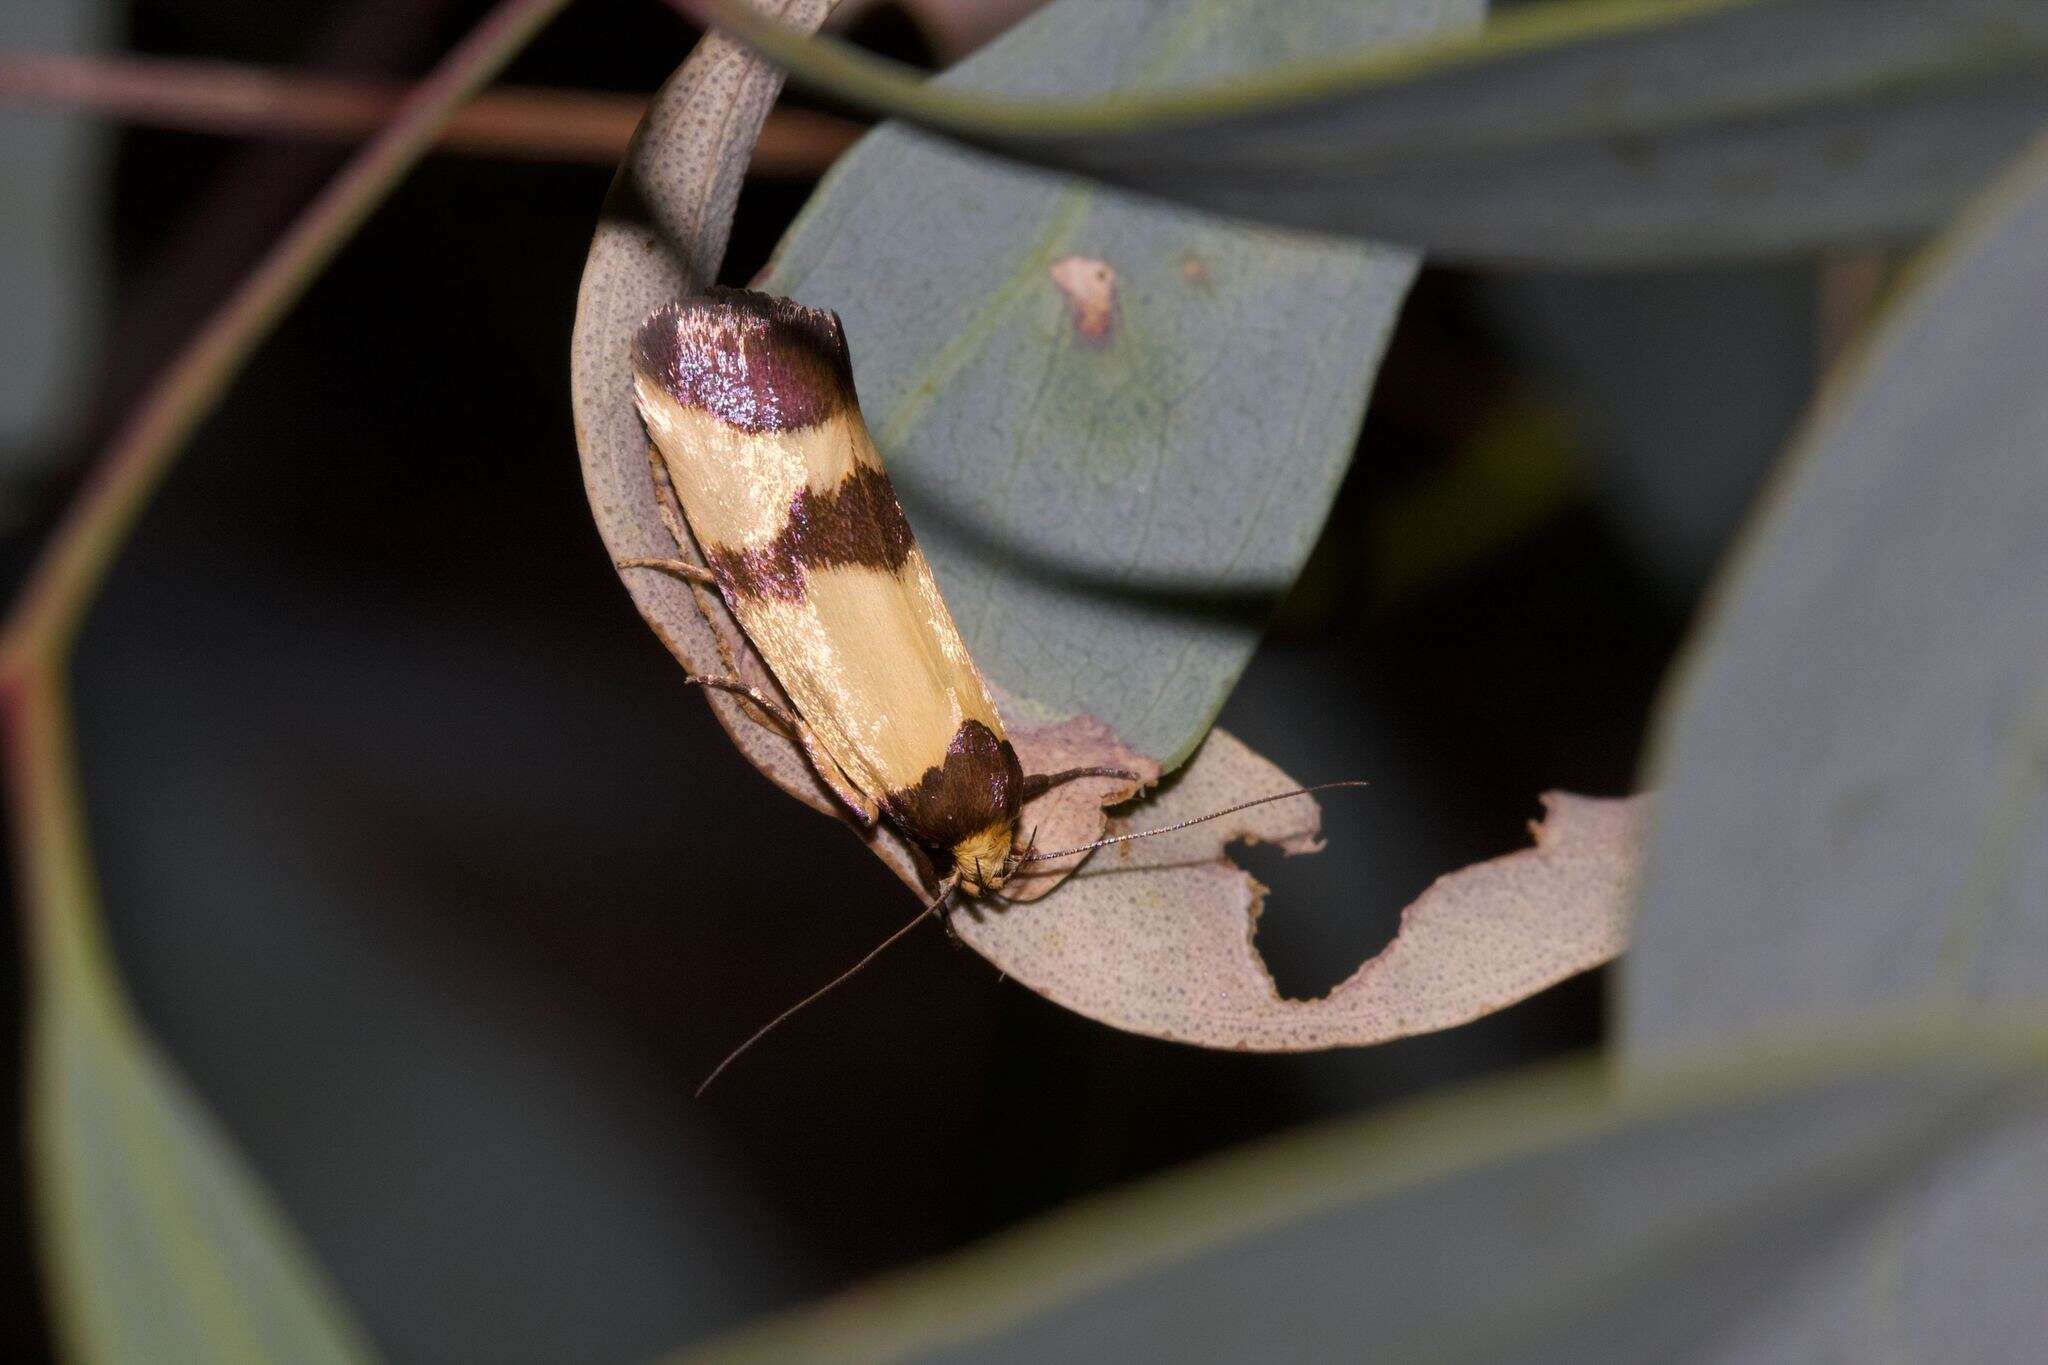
x,y
754,361
980,785
857,524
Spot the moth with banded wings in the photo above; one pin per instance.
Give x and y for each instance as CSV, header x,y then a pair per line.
x,y
750,403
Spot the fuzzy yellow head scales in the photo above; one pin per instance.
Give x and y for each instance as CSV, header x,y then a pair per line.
x,y
984,860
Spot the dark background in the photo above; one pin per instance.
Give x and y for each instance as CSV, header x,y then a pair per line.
x,y
445,892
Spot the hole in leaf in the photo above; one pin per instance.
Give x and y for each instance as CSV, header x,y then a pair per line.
x,y
1317,927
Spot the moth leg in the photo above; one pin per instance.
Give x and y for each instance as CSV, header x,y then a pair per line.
x,y
948,907
865,811
681,568
665,504
665,498
1038,784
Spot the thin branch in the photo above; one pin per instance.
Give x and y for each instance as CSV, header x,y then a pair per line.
x,y
73,968
528,123
79,554
52,869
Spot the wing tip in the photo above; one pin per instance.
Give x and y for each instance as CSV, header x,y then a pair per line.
x,y
756,362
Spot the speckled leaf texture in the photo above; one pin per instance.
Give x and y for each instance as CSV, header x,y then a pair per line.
x,y
662,235
1155,935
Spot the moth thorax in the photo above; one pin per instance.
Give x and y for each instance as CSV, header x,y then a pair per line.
x,y
984,859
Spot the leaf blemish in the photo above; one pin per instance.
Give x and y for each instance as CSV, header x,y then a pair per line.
x,y
1090,289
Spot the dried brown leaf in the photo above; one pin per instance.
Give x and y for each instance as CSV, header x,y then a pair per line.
x,y
1155,936
1071,814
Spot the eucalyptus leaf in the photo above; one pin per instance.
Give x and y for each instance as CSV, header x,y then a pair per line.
x,y
161,1244
1551,1216
1853,755
1854,761
1116,426
1602,132
1155,935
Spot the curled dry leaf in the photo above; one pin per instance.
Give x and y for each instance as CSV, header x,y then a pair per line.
x,y
1155,936
1070,814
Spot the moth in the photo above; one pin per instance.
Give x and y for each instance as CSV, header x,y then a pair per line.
x,y
750,404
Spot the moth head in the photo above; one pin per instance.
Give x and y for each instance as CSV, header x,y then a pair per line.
x,y
984,860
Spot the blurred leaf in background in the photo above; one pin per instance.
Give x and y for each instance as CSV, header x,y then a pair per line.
x,y
160,1242
1612,132
1855,765
53,267
1544,1217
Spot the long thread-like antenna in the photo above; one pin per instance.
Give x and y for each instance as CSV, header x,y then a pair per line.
x,y
762,1032
1183,824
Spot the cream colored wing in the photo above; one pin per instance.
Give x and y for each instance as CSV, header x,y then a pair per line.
x,y
750,402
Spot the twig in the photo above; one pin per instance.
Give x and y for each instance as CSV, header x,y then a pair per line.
x,y
72,967
512,121
205,246
52,867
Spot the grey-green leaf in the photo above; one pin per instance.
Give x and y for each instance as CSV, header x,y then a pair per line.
x,y
1549,1217
160,1243
1117,426
1597,133
1854,760
1117,429
1855,765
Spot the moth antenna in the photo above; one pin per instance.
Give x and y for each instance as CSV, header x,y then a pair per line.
x,y
934,908
1196,820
